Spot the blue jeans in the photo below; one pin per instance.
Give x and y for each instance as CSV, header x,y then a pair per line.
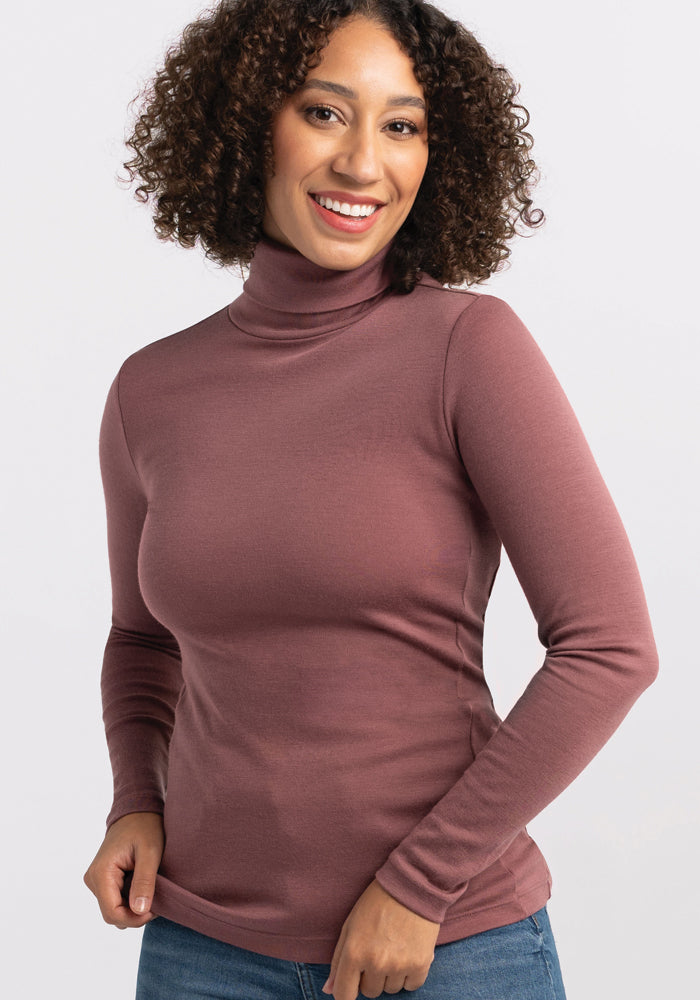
x,y
515,962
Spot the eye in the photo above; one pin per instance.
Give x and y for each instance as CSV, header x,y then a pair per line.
x,y
321,114
402,127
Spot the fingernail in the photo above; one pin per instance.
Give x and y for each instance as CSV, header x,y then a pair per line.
x,y
140,904
324,988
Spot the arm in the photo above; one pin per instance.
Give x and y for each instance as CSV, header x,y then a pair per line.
x,y
141,680
141,676
530,467
529,464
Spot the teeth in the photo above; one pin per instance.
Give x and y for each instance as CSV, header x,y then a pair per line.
x,y
344,208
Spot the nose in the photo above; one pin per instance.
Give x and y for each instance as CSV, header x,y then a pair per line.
x,y
359,156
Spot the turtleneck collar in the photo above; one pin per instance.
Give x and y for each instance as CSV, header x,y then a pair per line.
x,y
288,297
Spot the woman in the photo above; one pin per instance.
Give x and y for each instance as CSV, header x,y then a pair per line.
x,y
307,493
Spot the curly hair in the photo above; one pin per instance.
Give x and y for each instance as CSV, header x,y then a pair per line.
x,y
203,145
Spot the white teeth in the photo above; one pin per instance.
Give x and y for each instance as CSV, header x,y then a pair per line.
x,y
345,208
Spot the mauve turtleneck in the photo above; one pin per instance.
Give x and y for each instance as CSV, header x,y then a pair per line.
x,y
306,495
287,296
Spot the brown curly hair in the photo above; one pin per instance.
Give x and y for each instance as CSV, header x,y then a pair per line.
x,y
202,143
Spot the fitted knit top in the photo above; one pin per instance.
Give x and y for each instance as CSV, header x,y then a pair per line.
x,y
307,493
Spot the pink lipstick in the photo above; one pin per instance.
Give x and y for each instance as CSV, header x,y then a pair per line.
x,y
347,223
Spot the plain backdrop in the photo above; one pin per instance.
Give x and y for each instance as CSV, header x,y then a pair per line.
x,y
608,287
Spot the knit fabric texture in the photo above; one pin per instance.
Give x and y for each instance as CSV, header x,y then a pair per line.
x,y
307,493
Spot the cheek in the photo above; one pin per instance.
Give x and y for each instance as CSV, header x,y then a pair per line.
x,y
290,152
413,173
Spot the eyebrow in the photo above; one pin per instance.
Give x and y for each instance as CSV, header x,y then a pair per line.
x,y
338,88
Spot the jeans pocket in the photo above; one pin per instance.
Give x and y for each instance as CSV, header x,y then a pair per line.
x,y
534,922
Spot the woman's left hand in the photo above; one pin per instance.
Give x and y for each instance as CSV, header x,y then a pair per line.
x,y
383,947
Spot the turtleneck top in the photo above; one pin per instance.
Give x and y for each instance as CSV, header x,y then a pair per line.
x,y
307,493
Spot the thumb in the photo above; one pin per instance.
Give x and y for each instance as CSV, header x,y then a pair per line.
x,y
143,883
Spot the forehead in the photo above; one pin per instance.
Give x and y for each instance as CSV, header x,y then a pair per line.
x,y
365,52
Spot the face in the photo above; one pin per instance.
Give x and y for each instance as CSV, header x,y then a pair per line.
x,y
350,148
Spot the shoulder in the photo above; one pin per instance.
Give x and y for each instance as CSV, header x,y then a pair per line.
x,y
459,301
491,347
168,357
467,313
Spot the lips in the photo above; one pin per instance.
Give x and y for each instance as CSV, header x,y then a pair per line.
x,y
350,216
351,209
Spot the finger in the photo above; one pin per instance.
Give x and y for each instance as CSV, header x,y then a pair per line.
x,y
394,984
143,883
123,918
329,983
347,979
106,884
372,983
415,981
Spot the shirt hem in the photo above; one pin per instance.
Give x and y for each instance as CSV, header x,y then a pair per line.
x,y
210,919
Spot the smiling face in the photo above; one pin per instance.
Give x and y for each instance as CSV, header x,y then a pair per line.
x,y
350,148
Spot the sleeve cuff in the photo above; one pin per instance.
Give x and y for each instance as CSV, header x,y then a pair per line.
x,y
416,893
144,802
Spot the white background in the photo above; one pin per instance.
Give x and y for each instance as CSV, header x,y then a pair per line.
x,y
608,288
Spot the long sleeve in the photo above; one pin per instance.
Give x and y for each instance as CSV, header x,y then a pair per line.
x,y
141,675
530,467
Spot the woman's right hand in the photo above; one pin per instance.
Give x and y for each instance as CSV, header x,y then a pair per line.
x,y
133,843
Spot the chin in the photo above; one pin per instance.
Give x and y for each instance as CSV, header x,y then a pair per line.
x,y
344,258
